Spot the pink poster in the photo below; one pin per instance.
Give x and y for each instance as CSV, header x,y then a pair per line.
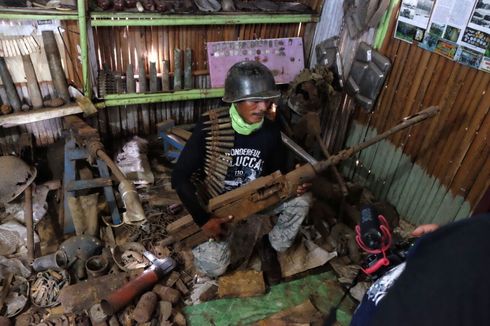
x,y
283,56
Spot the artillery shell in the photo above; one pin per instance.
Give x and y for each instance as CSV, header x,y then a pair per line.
x,y
166,294
145,307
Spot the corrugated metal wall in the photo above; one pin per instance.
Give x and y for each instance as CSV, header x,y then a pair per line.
x,y
436,171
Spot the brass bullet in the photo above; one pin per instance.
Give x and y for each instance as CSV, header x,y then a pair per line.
x,y
213,121
217,167
218,110
215,173
219,144
217,149
222,132
218,126
221,138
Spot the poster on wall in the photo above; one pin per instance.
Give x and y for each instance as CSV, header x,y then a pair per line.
x,y
457,29
413,19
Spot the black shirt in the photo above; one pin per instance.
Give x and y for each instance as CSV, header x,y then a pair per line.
x,y
445,281
254,155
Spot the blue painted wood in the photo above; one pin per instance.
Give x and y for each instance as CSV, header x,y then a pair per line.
x,y
88,184
68,176
70,184
171,147
109,193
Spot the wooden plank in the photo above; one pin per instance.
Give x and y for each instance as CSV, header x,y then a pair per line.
x,y
15,119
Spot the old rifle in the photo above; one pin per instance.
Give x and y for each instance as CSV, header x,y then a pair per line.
x,y
266,191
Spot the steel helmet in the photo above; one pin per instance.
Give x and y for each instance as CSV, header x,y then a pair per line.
x,y
249,80
16,176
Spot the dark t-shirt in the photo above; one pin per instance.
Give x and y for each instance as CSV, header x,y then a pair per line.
x,y
445,281
255,155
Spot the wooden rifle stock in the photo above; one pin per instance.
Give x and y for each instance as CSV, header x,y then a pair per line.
x,y
266,191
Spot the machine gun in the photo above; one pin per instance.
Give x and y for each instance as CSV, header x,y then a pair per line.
x,y
266,191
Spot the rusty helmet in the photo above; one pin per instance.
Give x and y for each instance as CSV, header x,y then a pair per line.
x,y
16,176
249,80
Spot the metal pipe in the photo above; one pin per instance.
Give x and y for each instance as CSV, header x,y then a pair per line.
x,y
32,85
57,260
338,176
28,220
96,266
55,65
134,210
407,122
46,15
82,26
297,149
124,295
9,85
187,95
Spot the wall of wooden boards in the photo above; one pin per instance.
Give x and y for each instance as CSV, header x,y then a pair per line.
x,y
436,171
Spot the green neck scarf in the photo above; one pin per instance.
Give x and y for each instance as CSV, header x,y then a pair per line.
x,y
240,125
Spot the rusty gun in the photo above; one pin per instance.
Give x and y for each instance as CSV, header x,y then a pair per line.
x,y
266,191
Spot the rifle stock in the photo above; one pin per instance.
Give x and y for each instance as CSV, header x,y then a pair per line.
x,y
266,191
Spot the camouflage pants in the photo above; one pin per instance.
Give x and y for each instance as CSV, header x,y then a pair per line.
x,y
212,258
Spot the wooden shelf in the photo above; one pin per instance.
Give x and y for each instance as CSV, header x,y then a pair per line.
x,y
151,19
18,118
37,14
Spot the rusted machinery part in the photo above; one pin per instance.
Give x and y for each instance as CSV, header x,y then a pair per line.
x,y
16,177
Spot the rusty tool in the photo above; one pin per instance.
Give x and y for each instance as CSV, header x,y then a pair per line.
x,y
124,295
29,222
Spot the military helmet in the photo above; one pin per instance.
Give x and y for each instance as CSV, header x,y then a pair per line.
x,y
249,80
16,177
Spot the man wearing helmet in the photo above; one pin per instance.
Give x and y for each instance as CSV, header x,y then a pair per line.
x,y
256,151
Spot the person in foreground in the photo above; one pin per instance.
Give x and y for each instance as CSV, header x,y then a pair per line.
x,y
256,151
444,280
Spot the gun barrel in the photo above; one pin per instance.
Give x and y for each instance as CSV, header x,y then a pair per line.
x,y
346,153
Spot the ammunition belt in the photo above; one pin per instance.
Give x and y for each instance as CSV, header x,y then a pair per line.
x,y
219,141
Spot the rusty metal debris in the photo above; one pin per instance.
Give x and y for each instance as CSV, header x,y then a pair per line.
x,y
46,288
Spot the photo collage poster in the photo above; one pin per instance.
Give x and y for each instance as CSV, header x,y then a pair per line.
x,y
456,29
